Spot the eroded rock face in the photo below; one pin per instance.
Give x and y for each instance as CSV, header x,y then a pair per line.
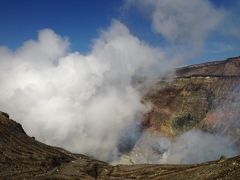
x,y
192,99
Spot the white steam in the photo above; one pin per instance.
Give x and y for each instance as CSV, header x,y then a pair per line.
x,y
82,103
85,103
194,146
197,146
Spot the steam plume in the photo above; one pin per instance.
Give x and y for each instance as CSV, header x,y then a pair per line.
x,y
194,146
82,103
85,103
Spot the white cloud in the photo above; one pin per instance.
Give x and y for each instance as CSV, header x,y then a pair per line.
x,y
182,21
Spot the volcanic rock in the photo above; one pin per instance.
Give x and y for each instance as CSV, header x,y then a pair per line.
x,y
194,97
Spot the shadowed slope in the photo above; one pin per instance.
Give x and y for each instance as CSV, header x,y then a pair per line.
x,y
23,156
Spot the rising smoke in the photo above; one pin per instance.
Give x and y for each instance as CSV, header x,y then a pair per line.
x,y
85,103
82,103
194,146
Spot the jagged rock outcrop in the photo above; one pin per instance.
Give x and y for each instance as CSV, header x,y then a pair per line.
x,y
22,157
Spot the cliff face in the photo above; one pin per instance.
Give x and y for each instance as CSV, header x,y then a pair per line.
x,y
196,98
22,157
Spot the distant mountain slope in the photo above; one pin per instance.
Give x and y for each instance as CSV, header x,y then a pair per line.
x,y
229,67
23,157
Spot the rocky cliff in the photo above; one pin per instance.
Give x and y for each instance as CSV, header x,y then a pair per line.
x,y
197,97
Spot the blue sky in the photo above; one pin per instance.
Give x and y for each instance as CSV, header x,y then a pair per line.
x,y
81,22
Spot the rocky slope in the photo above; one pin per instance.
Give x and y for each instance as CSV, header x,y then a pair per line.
x,y
22,157
196,98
